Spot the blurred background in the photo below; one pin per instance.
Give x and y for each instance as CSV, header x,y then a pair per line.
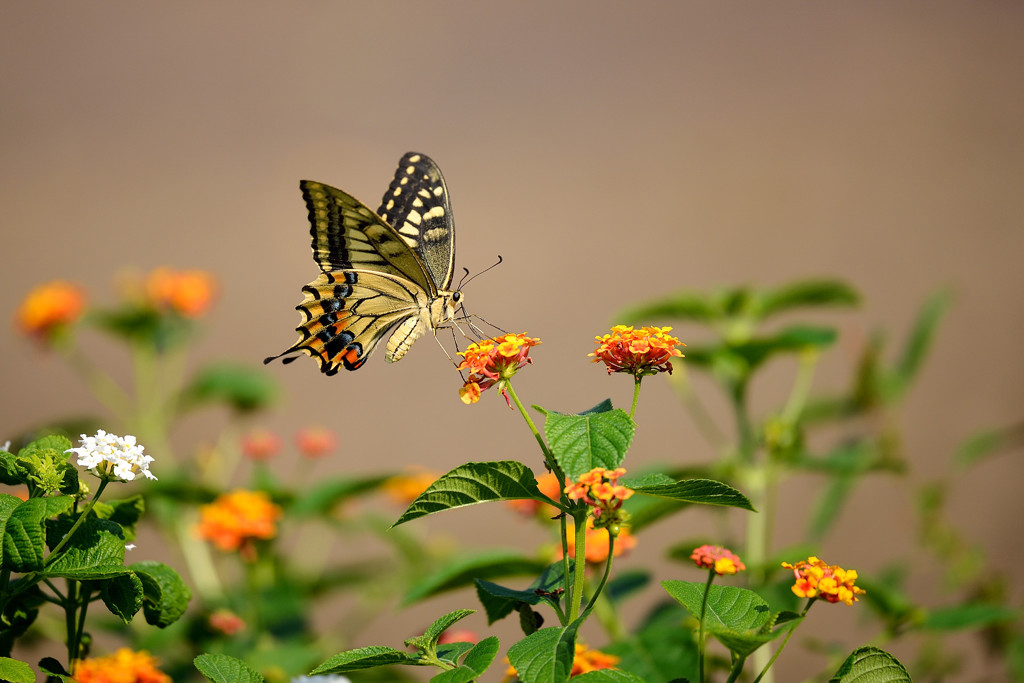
x,y
609,152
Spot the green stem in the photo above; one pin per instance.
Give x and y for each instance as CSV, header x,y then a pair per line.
x,y
703,612
784,641
737,668
801,386
636,396
549,457
70,623
607,571
78,522
80,627
580,565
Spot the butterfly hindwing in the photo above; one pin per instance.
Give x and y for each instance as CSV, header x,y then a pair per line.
x,y
347,313
416,205
347,234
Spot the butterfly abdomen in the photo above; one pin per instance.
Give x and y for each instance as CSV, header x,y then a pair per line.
x,y
403,338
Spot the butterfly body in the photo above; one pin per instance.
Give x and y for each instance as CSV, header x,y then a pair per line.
x,y
384,272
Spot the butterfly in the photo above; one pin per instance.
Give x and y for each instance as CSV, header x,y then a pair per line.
x,y
381,271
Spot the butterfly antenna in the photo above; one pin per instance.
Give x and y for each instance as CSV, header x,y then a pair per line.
x,y
464,281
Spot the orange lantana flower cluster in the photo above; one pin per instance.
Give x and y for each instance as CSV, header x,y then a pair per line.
x,y
815,579
600,489
49,307
124,666
189,293
260,444
406,487
718,559
236,519
646,351
493,362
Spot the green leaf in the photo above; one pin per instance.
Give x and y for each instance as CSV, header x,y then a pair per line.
x,y
806,293
500,601
365,658
123,596
225,669
483,653
462,674
323,498
608,676
545,656
703,491
96,551
125,513
25,535
165,595
918,343
472,483
687,305
626,583
598,437
242,387
428,640
464,570
969,616
16,671
988,443
8,503
871,665
51,667
661,649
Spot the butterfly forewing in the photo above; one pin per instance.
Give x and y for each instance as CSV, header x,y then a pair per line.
x,y
347,234
416,205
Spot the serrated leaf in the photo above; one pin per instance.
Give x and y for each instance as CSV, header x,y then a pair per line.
x,y
25,534
96,551
483,653
871,665
703,491
598,437
16,671
225,669
472,483
364,658
462,674
452,652
728,607
464,570
545,656
7,505
165,595
123,595
429,638
969,616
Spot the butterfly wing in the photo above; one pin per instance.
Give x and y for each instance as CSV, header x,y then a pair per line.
x,y
347,234
417,206
346,314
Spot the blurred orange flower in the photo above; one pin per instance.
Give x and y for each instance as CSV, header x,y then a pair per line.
x,y
548,485
260,444
315,442
234,520
646,351
225,621
189,293
49,307
124,666
404,488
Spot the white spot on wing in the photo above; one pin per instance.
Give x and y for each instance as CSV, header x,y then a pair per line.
x,y
417,202
409,229
414,158
410,170
424,193
436,212
391,204
398,191
404,181
414,217
438,191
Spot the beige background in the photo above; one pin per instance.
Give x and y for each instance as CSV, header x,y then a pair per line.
x,y
608,151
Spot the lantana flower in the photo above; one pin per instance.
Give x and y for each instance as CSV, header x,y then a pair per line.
x,y
718,559
406,487
492,362
315,442
600,489
49,308
817,580
124,666
189,293
109,456
235,520
638,352
260,444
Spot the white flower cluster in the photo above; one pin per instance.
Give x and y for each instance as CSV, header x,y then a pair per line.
x,y
109,453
